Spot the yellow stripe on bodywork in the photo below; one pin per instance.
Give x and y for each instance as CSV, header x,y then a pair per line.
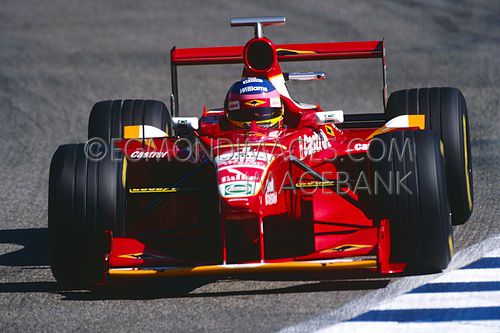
x,y
150,143
346,248
131,255
416,120
404,121
143,132
132,132
296,51
153,190
315,184
379,131
295,266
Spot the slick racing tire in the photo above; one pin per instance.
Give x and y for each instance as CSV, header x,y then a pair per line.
x,y
417,202
86,198
107,118
445,113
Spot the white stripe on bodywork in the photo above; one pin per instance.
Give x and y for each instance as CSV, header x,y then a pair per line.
x,y
400,121
278,82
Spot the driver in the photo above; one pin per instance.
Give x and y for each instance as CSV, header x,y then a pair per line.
x,y
254,99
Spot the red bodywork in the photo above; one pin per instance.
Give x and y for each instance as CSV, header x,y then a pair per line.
x,y
260,199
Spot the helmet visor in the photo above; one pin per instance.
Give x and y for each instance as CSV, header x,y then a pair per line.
x,y
257,114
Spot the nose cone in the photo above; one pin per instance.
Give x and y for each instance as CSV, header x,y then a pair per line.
x,y
241,172
241,208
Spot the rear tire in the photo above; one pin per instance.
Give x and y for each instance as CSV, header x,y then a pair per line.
x,y
107,118
86,198
445,113
417,205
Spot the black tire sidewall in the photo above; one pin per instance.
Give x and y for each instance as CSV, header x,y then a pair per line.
x,y
418,209
108,118
445,110
86,198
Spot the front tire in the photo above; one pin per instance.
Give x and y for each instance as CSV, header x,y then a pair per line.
x,y
417,205
446,115
108,118
86,198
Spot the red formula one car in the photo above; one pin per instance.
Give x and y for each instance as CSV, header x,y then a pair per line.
x,y
265,184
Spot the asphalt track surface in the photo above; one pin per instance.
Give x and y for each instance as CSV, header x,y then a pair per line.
x,y
59,57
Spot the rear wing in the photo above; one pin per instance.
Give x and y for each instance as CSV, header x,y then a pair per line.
x,y
286,52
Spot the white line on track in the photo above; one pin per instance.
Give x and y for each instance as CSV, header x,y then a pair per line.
x,y
442,305
443,300
468,275
462,299
481,326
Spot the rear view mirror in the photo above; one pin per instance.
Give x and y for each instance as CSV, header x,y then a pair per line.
x,y
184,125
330,117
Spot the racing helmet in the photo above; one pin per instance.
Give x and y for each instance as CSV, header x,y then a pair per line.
x,y
254,99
